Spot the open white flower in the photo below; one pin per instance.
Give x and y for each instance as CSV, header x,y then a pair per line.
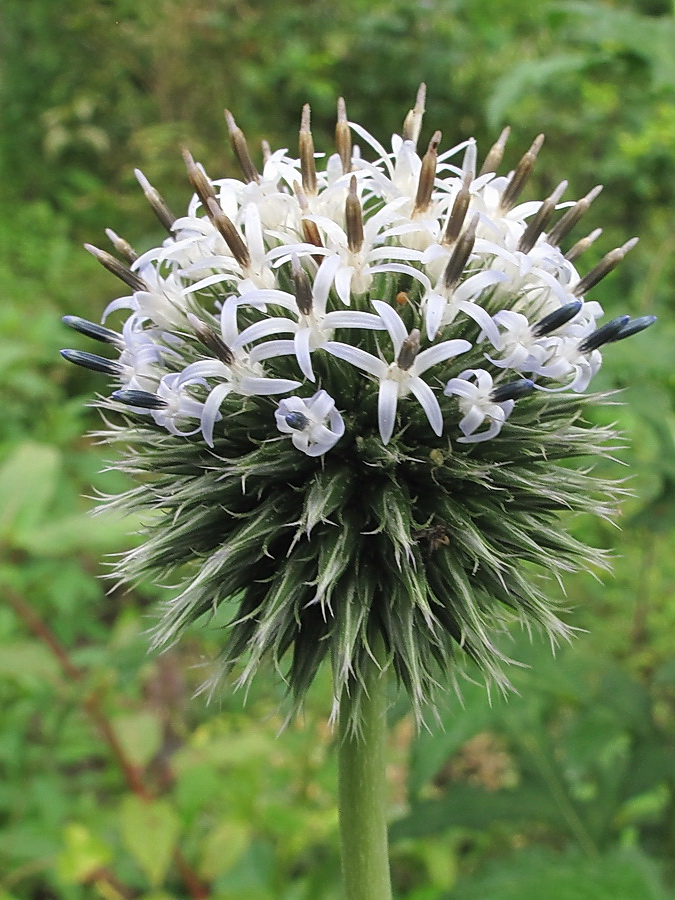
x,y
480,400
314,424
402,376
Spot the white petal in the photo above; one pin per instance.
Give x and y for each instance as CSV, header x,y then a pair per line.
x,y
492,431
269,349
397,330
264,329
386,408
357,357
403,270
438,353
324,280
261,387
461,388
302,352
472,420
210,413
349,319
428,402
343,283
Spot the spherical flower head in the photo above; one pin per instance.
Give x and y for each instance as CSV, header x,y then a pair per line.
x,y
314,424
353,384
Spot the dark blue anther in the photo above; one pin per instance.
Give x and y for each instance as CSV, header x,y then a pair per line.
x,y
296,420
92,330
607,333
635,326
556,319
512,390
141,399
91,361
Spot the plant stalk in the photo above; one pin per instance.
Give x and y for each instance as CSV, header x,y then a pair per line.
x,y
362,792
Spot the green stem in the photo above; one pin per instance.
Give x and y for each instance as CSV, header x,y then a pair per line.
x,y
362,793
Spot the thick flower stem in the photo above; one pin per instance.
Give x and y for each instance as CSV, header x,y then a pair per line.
x,y
362,794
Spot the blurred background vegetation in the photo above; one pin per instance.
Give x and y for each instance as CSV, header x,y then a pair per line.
x,y
115,782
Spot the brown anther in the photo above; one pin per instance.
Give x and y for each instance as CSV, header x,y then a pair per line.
x,y
425,186
521,175
460,255
303,289
229,233
540,220
157,204
199,180
402,298
609,262
211,340
240,148
571,216
413,120
409,350
310,229
343,138
458,213
495,153
306,146
354,218
113,265
123,247
582,246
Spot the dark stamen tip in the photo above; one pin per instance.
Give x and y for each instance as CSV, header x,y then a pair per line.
x,y
607,333
513,390
296,420
140,399
635,326
92,361
92,330
556,319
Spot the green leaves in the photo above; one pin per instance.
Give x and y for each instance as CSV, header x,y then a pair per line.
x,y
149,830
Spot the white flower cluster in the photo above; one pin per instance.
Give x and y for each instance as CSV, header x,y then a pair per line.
x,y
396,266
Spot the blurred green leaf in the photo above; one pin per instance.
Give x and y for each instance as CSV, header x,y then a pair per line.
x,y
28,481
84,854
149,831
140,734
531,874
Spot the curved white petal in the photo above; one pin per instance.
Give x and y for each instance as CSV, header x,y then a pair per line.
x,y
269,349
439,353
347,319
264,329
343,283
302,352
428,402
261,387
394,323
386,408
357,357
210,413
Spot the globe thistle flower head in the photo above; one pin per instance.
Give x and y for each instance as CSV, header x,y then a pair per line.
x,y
352,389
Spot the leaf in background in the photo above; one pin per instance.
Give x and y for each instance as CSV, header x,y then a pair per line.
x,y
149,831
432,749
98,534
28,481
221,848
651,38
140,734
529,76
83,854
533,874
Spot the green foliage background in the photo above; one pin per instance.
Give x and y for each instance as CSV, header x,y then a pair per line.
x,y
568,789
